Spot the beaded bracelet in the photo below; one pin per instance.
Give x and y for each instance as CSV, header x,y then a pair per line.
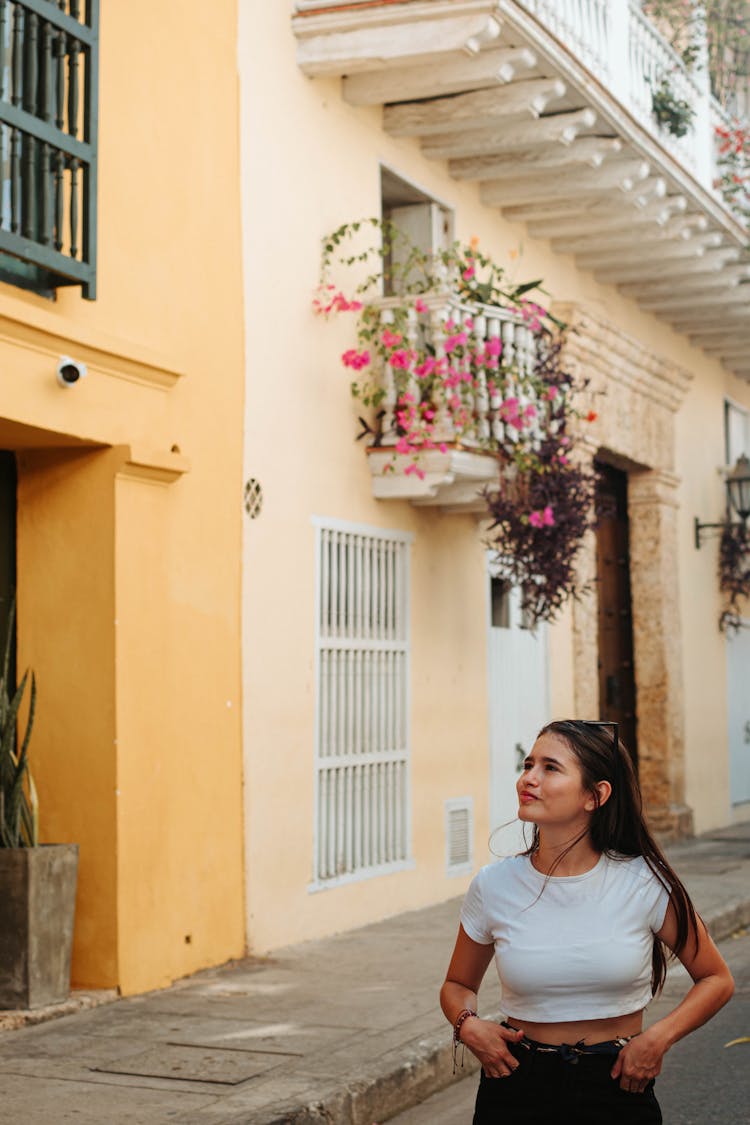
x,y
461,1018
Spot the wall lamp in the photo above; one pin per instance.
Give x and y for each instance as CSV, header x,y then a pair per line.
x,y
738,496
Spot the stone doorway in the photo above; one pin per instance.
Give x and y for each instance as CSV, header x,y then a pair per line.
x,y
640,396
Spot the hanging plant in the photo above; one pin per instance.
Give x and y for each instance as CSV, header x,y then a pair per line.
x,y
717,30
540,518
672,113
459,357
733,163
734,574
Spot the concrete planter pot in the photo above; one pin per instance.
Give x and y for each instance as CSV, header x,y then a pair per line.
x,y
37,907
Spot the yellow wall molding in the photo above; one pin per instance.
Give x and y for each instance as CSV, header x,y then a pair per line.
x,y
153,465
122,359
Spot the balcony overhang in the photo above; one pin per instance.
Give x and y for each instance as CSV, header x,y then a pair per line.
x,y
488,87
453,481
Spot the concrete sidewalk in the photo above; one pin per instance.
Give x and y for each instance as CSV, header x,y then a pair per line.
x,y
343,1030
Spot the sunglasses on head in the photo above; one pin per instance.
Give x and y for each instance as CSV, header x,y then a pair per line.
x,y
604,723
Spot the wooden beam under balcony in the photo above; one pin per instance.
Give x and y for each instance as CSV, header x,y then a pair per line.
x,y
557,212
593,222
713,260
474,110
590,151
701,320
620,175
612,257
339,44
559,128
678,229
730,332
455,75
690,303
727,278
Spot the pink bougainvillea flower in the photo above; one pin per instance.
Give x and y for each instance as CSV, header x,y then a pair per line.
x,y
342,305
422,370
458,340
402,446
355,359
390,339
543,518
428,414
468,273
400,358
443,447
493,346
529,411
414,468
468,323
420,306
407,396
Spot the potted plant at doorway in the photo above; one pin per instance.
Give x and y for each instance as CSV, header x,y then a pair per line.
x,y
37,882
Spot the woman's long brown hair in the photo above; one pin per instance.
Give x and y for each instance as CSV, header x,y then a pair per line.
x,y
618,827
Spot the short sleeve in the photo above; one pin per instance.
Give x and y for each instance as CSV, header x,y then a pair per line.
x,y
658,901
473,915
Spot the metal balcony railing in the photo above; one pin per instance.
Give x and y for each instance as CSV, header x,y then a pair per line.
x,y
49,58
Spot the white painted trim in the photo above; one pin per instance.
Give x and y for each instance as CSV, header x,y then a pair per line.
x,y
321,522
361,874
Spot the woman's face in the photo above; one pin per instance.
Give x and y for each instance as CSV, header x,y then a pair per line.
x,y
550,788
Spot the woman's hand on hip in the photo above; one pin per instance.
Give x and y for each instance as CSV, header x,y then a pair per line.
x,y
489,1042
638,1062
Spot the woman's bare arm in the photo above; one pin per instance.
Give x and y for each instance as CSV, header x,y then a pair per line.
x,y
484,1038
713,986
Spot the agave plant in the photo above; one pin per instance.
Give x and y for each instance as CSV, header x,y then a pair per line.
x,y
19,811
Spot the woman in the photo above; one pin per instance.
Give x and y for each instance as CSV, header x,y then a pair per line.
x,y
579,925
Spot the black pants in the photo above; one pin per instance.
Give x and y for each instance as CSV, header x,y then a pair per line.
x,y
547,1090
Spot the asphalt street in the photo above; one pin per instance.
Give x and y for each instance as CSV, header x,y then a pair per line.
x,y
703,1081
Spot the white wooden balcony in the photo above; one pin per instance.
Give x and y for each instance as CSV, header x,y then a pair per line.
x,y
453,475
547,103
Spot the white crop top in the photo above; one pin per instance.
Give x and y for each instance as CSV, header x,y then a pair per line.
x,y
568,948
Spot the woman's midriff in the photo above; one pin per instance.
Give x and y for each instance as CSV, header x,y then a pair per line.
x,y
590,1031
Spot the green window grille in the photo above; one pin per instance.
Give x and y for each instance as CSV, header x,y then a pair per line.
x,y
49,62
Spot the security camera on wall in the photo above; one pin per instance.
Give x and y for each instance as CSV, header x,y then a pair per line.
x,y
69,371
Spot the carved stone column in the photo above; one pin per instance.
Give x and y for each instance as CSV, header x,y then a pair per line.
x,y
652,504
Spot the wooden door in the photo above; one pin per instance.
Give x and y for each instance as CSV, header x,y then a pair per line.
x,y
617,697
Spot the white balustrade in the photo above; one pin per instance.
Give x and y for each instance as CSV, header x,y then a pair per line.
x,y
623,48
482,387
583,25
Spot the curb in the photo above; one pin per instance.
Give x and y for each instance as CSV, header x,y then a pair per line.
x,y
12,1020
424,1068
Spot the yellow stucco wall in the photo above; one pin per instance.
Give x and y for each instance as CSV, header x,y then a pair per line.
x,y
300,425
129,550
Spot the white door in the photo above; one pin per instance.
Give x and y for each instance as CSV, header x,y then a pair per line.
x,y
738,682
737,430
519,704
